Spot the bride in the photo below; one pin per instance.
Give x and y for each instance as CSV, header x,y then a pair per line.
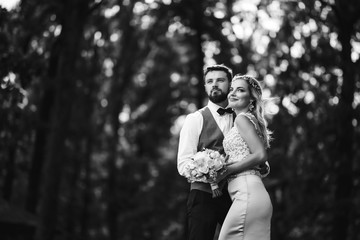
x,y
249,217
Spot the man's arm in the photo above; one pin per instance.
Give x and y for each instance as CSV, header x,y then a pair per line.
x,y
188,141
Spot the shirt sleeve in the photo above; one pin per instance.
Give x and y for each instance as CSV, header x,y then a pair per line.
x,y
188,141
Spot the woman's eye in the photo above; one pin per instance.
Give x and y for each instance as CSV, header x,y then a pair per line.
x,y
239,90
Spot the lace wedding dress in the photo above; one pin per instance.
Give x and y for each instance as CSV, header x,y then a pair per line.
x,y
250,214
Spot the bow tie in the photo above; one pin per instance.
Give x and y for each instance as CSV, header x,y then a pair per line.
x,y
222,111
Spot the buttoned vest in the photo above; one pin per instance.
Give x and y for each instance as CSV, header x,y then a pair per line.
x,y
211,136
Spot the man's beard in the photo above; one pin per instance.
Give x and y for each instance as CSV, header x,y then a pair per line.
x,y
218,97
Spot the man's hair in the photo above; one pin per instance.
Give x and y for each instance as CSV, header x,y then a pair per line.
x,y
219,67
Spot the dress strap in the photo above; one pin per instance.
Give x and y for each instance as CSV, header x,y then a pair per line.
x,y
250,117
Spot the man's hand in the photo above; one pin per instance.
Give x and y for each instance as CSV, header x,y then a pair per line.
x,y
264,169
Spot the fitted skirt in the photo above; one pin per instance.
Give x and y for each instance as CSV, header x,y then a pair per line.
x,y
249,217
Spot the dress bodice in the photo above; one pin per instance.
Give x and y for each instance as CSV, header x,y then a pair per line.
x,y
234,145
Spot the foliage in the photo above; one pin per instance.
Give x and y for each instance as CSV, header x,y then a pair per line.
x,y
93,95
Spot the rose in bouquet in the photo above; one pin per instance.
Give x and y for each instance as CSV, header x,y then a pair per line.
x,y
205,167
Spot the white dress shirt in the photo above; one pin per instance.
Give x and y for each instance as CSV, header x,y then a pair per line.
x,y
190,133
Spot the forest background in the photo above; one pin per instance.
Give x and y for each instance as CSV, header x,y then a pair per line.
x,y
93,94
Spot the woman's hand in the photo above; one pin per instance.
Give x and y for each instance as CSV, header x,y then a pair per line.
x,y
224,173
220,177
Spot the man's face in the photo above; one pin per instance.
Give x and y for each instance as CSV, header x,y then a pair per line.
x,y
217,86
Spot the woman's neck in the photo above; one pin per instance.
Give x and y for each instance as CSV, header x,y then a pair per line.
x,y
238,111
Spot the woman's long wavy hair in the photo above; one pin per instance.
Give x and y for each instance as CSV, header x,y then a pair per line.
x,y
259,105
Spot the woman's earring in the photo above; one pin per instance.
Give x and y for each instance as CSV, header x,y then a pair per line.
x,y
251,107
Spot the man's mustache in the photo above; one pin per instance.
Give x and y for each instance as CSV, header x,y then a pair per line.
x,y
215,89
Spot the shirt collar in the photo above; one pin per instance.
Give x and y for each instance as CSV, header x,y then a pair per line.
x,y
213,107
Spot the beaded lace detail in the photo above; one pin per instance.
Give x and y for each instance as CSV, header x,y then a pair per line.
x,y
235,146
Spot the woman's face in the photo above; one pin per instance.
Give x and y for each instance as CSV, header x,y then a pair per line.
x,y
239,96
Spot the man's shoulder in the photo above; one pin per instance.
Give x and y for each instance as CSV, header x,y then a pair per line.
x,y
203,109
198,112
194,115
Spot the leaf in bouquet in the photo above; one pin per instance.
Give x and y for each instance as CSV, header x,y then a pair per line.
x,y
212,175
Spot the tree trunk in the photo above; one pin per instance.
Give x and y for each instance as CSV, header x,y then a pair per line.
x,y
37,160
72,203
86,196
112,209
74,15
42,129
121,79
90,99
10,172
197,21
345,131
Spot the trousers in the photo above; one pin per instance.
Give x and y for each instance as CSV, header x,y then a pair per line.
x,y
204,213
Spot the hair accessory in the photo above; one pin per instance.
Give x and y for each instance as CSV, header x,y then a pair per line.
x,y
251,81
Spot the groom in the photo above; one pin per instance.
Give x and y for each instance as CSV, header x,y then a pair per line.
x,y
206,128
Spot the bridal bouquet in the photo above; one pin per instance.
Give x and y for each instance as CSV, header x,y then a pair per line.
x,y
205,167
